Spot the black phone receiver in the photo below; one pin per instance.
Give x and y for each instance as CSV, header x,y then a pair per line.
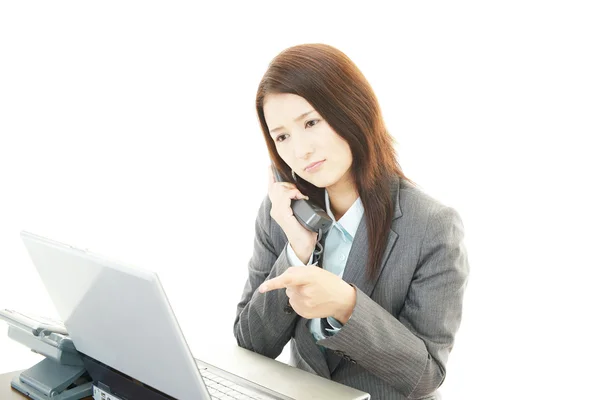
x,y
309,214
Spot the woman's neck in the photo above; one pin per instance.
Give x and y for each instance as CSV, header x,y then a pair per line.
x,y
341,197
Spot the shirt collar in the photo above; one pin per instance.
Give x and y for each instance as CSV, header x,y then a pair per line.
x,y
351,219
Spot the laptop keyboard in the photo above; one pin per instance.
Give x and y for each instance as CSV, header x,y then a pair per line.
x,y
222,388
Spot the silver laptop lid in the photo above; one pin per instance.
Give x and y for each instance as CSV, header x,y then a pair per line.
x,y
118,315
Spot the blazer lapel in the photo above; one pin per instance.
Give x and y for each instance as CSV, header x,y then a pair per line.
x,y
356,267
355,271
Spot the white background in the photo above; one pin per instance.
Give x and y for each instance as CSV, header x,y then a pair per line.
x,y
130,129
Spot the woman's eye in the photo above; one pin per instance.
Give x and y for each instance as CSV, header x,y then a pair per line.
x,y
312,120
279,138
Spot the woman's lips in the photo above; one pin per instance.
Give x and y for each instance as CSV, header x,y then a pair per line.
x,y
314,166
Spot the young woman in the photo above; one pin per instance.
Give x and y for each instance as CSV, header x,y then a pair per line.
x,y
381,309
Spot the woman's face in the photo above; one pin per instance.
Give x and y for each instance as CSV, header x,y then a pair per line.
x,y
303,137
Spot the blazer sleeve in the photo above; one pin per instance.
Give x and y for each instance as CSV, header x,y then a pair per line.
x,y
410,350
262,324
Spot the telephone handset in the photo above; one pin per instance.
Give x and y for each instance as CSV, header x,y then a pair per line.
x,y
309,214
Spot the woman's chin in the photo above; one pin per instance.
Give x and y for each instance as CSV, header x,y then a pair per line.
x,y
321,182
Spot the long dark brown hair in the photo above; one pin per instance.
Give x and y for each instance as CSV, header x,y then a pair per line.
x,y
327,79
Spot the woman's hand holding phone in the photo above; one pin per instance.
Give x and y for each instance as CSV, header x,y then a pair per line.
x,y
302,240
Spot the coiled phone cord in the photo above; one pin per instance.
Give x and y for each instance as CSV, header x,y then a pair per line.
x,y
319,250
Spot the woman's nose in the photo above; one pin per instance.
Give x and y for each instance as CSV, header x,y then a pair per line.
x,y
303,147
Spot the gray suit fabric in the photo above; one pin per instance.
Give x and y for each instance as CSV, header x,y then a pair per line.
x,y
397,341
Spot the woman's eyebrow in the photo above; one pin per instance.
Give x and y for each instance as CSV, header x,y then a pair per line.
x,y
295,119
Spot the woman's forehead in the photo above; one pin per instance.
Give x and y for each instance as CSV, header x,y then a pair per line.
x,y
284,109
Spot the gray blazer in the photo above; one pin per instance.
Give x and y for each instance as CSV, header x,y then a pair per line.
x,y
397,341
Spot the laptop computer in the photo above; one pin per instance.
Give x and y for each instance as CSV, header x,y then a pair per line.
x,y
119,316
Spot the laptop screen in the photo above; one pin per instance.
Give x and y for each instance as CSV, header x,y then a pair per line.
x,y
118,315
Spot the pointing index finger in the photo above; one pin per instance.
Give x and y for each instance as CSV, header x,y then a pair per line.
x,y
280,282
291,277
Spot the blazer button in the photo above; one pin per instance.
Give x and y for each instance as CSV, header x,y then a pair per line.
x,y
347,358
288,309
353,361
339,353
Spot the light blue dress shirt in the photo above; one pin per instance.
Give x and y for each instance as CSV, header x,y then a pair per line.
x,y
335,254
